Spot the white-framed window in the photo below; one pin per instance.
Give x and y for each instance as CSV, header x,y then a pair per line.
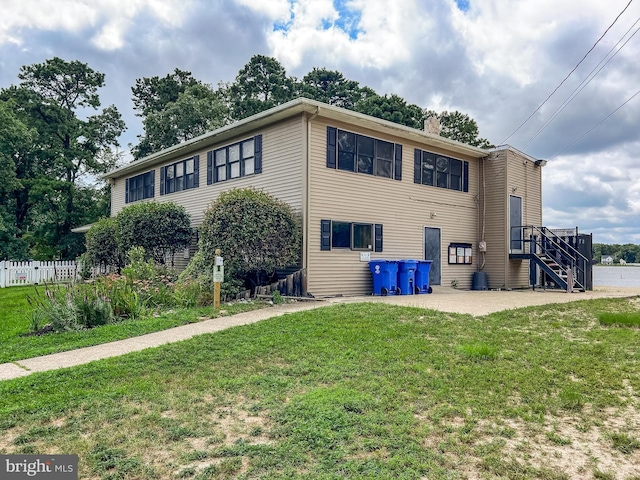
x,y
140,187
234,161
358,153
182,175
341,235
439,171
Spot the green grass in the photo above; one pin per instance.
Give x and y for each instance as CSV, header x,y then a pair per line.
x,y
624,443
348,391
15,318
630,319
15,321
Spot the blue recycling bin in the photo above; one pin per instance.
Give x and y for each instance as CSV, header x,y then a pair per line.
x,y
385,276
406,276
422,277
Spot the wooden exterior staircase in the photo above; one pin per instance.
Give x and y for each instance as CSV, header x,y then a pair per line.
x,y
554,257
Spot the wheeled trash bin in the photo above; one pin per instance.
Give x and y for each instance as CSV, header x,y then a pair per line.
x,y
385,276
422,277
406,276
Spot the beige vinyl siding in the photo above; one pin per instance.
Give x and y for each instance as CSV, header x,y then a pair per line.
x,y
495,227
118,195
509,173
402,207
281,173
524,180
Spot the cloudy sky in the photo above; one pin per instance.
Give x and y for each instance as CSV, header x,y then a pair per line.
x,y
497,60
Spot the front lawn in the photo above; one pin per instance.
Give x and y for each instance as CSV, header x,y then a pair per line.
x,y
15,321
355,391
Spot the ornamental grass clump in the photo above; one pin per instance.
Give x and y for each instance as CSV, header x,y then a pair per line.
x,y
70,307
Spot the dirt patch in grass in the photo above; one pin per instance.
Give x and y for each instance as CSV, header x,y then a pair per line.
x,y
7,440
564,445
238,424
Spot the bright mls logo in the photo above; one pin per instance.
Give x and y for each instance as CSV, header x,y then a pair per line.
x,y
50,467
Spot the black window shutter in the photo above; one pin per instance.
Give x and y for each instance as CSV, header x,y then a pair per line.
x,y
257,142
417,166
325,234
196,171
332,136
126,195
209,168
153,183
378,237
398,163
162,177
465,177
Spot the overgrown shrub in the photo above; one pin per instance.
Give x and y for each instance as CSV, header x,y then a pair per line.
x,y
102,244
160,228
256,234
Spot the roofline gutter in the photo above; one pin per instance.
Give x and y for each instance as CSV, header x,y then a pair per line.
x,y
286,110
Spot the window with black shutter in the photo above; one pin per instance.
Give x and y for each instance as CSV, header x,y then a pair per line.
x,y
237,160
362,154
440,171
179,176
341,235
140,187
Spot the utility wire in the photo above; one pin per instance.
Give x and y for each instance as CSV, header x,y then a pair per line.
x,y
596,126
586,81
565,78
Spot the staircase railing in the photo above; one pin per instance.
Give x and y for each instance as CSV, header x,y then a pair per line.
x,y
537,241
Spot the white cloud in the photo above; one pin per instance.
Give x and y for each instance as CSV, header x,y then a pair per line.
x,y
511,36
386,32
111,17
274,10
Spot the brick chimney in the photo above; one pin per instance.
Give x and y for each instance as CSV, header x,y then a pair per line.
x,y
432,125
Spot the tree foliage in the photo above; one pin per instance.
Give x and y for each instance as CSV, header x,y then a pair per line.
x,y
16,142
175,109
255,232
260,85
330,86
162,229
153,94
196,111
392,108
63,146
628,252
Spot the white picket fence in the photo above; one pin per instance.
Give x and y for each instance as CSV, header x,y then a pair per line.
x,y
14,274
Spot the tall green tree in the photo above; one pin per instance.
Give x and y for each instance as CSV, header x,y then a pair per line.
x,y
260,85
330,86
53,100
393,108
16,145
196,110
152,94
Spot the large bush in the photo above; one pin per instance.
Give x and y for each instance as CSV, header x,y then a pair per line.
x,y
102,244
255,232
160,228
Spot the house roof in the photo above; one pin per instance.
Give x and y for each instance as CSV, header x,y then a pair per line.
x,y
287,110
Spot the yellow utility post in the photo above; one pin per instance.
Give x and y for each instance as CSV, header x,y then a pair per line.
x,y
218,278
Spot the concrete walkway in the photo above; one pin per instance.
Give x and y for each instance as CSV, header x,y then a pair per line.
x,y
443,299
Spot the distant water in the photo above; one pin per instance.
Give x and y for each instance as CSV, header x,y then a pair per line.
x,y
616,276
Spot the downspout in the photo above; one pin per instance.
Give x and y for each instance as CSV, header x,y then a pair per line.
x,y
484,210
305,194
